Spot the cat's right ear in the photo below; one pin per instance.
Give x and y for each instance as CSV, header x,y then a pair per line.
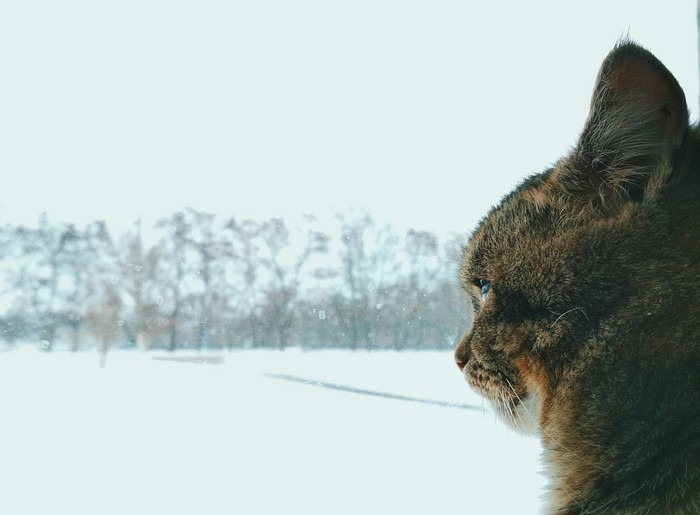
x,y
636,126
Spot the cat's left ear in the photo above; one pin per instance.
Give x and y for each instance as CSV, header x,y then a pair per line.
x,y
636,126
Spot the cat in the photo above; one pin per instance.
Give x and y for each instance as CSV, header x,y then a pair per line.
x,y
585,284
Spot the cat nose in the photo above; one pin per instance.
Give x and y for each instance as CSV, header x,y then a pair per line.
x,y
462,353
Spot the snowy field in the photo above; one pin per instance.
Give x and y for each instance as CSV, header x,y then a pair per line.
x,y
255,432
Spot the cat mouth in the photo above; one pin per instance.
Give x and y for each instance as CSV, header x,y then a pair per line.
x,y
516,406
501,396
521,412
492,383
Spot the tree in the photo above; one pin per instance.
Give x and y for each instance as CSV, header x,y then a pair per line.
x,y
91,263
246,295
141,292
210,283
53,279
211,253
421,280
104,317
368,257
285,261
172,268
194,258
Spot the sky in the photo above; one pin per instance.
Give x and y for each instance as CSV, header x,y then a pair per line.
x,y
423,113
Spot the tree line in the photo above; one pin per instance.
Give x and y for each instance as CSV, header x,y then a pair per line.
x,y
205,282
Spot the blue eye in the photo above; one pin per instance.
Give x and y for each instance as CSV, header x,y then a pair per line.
x,y
485,287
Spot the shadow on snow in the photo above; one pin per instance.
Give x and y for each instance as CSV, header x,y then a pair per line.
x,y
362,391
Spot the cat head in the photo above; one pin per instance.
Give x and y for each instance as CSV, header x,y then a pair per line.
x,y
547,267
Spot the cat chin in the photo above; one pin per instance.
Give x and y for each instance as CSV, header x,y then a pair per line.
x,y
524,415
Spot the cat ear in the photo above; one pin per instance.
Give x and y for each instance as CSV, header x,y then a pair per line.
x,y
636,125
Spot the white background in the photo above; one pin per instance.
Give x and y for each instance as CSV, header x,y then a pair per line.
x,y
425,113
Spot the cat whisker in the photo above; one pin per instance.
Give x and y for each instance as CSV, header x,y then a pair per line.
x,y
527,412
505,408
512,413
521,420
544,431
561,315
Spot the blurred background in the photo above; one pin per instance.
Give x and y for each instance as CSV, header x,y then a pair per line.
x,y
272,174
226,179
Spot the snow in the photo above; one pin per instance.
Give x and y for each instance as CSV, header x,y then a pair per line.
x,y
255,432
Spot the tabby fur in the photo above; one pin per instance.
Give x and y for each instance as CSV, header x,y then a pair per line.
x,y
589,331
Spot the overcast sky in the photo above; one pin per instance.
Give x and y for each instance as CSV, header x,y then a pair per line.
x,y
424,113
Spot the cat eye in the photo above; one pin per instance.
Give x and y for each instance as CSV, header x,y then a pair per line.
x,y
485,287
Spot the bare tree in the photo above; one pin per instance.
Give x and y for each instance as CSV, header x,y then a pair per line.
x,y
246,287
194,258
91,261
53,279
173,268
211,253
104,317
285,261
141,290
248,283
369,261
421,257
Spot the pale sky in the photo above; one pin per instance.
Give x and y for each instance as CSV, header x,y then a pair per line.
x,y
424,113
